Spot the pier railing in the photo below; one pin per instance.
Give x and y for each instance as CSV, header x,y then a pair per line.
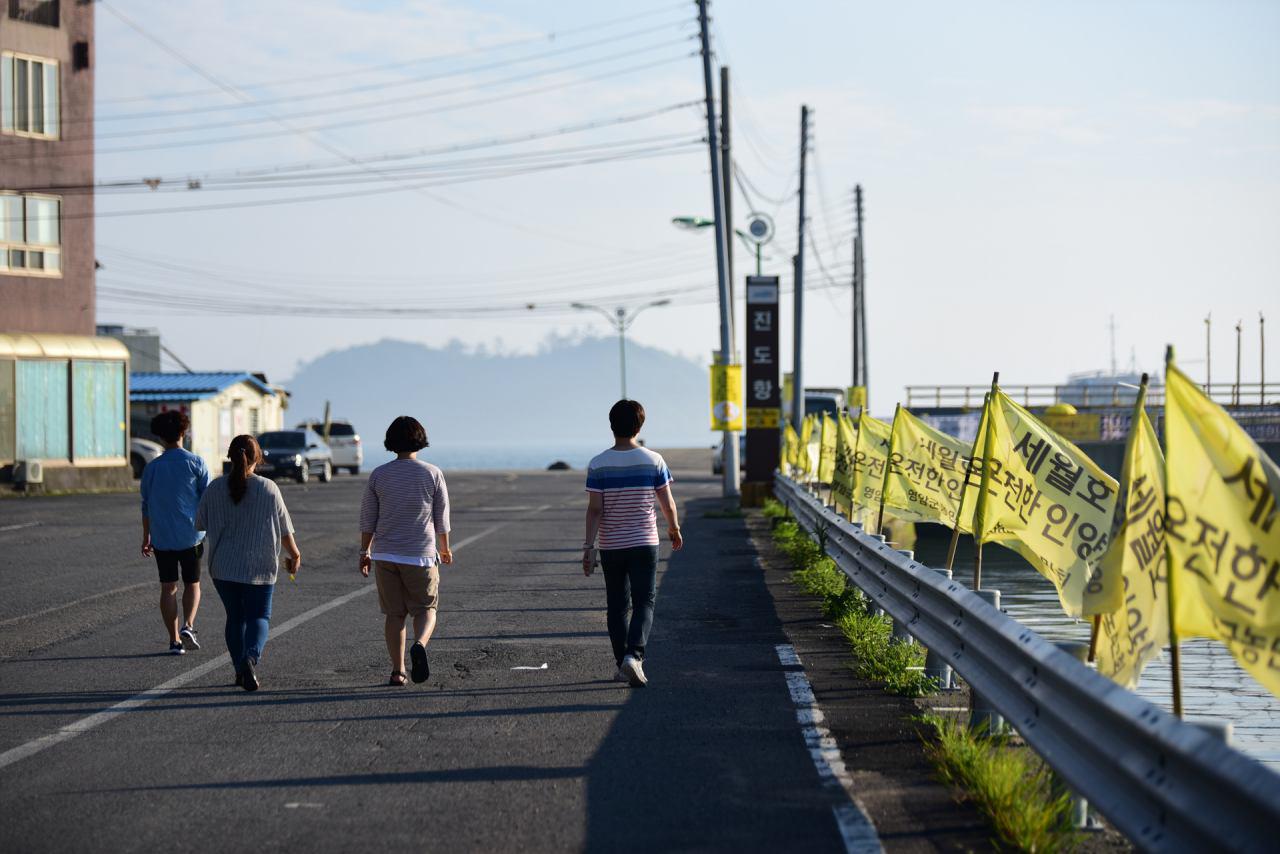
x,y
1166,784
1082,396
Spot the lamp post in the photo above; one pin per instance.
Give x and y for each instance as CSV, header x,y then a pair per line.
x,y
693,223
621,320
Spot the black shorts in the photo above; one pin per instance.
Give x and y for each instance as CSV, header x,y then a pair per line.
x,y
187,559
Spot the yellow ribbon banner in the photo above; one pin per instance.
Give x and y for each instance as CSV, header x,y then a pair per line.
x,y
925,473
1223,530
1042,497
810,438
827,449
870,453
726,397
790,449
1135,634
842,470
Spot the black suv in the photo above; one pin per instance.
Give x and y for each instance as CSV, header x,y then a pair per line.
x,y
298,454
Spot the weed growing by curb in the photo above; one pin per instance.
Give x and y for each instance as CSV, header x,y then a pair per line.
x,y
1013,787
877,655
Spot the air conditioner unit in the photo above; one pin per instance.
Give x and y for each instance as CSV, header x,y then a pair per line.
x,y
28,471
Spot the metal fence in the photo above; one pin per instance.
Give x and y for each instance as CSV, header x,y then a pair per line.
x,y
1084,396
1166,784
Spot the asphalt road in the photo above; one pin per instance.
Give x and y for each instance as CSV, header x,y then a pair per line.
x,y
326,756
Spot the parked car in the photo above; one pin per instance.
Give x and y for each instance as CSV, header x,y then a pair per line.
x,y
141,452
717,461
344,442
298,454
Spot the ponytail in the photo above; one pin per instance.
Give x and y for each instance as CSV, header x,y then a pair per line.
x,y
245,454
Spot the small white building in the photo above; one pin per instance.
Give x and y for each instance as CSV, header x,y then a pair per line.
x,y
221,406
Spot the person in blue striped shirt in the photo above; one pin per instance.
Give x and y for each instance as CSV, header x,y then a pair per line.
x,y
623,485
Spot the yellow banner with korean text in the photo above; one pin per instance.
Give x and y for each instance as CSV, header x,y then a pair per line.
x,y
925,473
726,397
827,449
1044,498
1136,633
810,436
870,453
1222,528
790,450
842,470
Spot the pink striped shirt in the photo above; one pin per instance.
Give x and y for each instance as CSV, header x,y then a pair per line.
x,y
628,483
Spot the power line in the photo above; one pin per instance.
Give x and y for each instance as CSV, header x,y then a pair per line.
x,y
370,69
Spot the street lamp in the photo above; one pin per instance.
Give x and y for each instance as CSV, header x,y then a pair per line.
x,y
621,320
760,232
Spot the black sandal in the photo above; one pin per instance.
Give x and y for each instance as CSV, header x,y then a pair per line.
x,y
397,678
421,669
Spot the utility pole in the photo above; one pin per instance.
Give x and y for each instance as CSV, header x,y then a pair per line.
x,y
861,273
1235,393
1262,359
722,233
726,165
1208,354
797,360
857,333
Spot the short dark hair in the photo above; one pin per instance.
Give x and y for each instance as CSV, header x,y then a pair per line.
x,y
170,425
626,418
405,435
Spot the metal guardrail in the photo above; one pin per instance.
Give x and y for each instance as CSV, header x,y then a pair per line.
x,y
1166,784
1101,395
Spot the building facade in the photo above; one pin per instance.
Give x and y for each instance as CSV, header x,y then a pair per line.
x,y
46,167
63,391
220,405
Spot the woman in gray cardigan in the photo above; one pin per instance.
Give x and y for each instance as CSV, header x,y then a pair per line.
x,y
246,524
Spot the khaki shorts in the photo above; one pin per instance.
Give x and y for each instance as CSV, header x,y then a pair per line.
x,y
405,589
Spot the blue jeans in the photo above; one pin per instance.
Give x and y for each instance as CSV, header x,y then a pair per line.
x,y
630,584
248,609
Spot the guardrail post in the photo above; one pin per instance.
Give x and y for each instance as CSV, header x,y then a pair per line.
x,y
897,630
983,715
876,610
935,666
1080,818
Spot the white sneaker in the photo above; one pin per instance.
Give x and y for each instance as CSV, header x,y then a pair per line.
x,y
634,671
619,676
187,636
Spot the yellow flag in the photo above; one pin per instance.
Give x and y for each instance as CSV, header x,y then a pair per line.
x,y
827,449
1136,633
925,473
790,449
842,471
810,436
1042,497
870,452
1223,530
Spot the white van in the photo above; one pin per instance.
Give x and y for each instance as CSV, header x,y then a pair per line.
x,y
344,442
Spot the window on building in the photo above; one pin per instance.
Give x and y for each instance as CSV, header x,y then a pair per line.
x,y
28,96
30,234
35,11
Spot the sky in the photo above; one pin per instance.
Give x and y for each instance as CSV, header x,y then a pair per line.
x,y
1031,170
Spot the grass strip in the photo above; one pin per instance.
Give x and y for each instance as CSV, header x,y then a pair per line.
x,y
1010,785
877,655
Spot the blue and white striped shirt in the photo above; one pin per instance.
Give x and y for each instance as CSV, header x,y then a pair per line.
x,y
628,483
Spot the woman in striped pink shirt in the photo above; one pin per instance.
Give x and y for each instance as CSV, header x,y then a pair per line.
x,y
623,485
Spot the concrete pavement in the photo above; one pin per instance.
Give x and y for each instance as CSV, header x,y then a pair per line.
x,y
483,757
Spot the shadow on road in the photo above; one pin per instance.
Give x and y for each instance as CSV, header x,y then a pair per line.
x,y
710,754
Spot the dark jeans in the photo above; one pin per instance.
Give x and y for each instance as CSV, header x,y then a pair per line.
x,y
248,609
630,584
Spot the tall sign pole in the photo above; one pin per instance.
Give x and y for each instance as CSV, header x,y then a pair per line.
x,y
797,358
764,391
856,379
861,273
722,272
726,175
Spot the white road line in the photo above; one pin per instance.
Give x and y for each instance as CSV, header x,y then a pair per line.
x,y
71,730
18,527
22,618
856,829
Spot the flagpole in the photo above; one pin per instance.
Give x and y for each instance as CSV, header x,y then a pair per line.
x,y
981,509
888,463
1175,660
964,490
